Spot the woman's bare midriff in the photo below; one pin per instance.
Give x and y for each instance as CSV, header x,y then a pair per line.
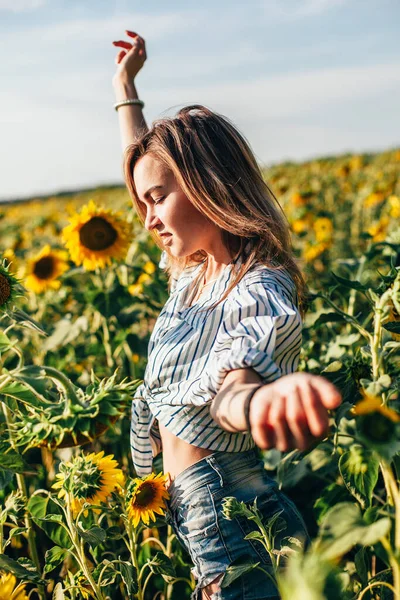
x,y
178,454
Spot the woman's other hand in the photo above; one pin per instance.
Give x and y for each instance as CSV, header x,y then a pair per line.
x,y
292,411
132,57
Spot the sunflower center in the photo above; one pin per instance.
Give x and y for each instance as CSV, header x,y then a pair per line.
x,y
145,494
44,267
5,289
97,234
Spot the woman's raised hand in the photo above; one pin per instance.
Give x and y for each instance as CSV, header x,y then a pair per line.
x,y
292,412
132,57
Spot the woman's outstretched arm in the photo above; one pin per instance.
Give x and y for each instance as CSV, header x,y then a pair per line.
x,y
129,62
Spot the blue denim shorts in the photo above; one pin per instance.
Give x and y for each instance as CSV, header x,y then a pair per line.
x,y
194,511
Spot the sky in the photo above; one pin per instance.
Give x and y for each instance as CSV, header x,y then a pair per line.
x,y
299,78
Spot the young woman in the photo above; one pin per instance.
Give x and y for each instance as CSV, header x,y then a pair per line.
x,y
229,333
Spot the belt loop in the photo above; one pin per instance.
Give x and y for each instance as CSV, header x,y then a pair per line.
x,y
214,464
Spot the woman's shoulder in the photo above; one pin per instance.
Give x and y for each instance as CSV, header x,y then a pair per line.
x,y
262,281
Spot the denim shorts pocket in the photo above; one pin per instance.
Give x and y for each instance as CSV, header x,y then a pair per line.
x,y
195,516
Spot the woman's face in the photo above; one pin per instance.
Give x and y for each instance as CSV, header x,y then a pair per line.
x,y
168,210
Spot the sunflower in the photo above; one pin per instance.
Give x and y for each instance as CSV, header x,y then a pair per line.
x,y
43,269
323,228
298,200
374,199
378,426
378,230
8,286
394,203
373,404
9,590
149,267
88,478
96,235
146,497
300,225
312,251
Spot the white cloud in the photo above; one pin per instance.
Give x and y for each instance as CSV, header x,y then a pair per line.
x,y
17,6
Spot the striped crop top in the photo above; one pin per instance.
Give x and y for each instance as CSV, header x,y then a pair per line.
x,y
258,325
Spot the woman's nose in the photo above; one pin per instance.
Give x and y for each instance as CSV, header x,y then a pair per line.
x,y
151,221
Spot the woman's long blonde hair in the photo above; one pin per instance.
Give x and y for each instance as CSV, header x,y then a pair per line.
x,y
216,169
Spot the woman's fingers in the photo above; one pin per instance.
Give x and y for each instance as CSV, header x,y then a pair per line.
x,y
123,44
329,394
120,56
317,416
297,420
277,418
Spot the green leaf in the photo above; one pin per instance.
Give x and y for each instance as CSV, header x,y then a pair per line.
x,y
10,565
53,558
42,506
331,317
348,283
310,577
343,527
162,565
393,327
292,469
19,391
328,497
12,461
5,342
93,536
254,535
334,366
236,569
129,577
359,468
360,561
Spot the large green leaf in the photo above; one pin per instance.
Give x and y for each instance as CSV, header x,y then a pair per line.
x,y
12,566
344,527
359,468
54,557
236,569
43,507
12,461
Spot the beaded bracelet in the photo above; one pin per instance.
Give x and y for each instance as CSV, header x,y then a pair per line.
x,y
129,101
247,406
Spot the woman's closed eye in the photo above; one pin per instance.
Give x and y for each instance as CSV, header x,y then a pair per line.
x,y
157,201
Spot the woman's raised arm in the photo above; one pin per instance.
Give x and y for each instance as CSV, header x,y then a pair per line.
x,y
129,62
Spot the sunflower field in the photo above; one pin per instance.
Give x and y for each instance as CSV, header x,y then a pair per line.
x,y
80,291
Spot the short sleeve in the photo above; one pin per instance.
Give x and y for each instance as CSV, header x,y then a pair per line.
x,y
263,330
162,264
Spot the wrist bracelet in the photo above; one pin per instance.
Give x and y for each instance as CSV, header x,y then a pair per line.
x,y
129,101
247,406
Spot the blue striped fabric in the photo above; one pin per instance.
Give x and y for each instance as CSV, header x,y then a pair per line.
x,y
258,325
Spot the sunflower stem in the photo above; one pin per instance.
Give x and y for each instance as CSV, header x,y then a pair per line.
x,y
106,342
64,381
132,549
22,487
78,545
157,541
